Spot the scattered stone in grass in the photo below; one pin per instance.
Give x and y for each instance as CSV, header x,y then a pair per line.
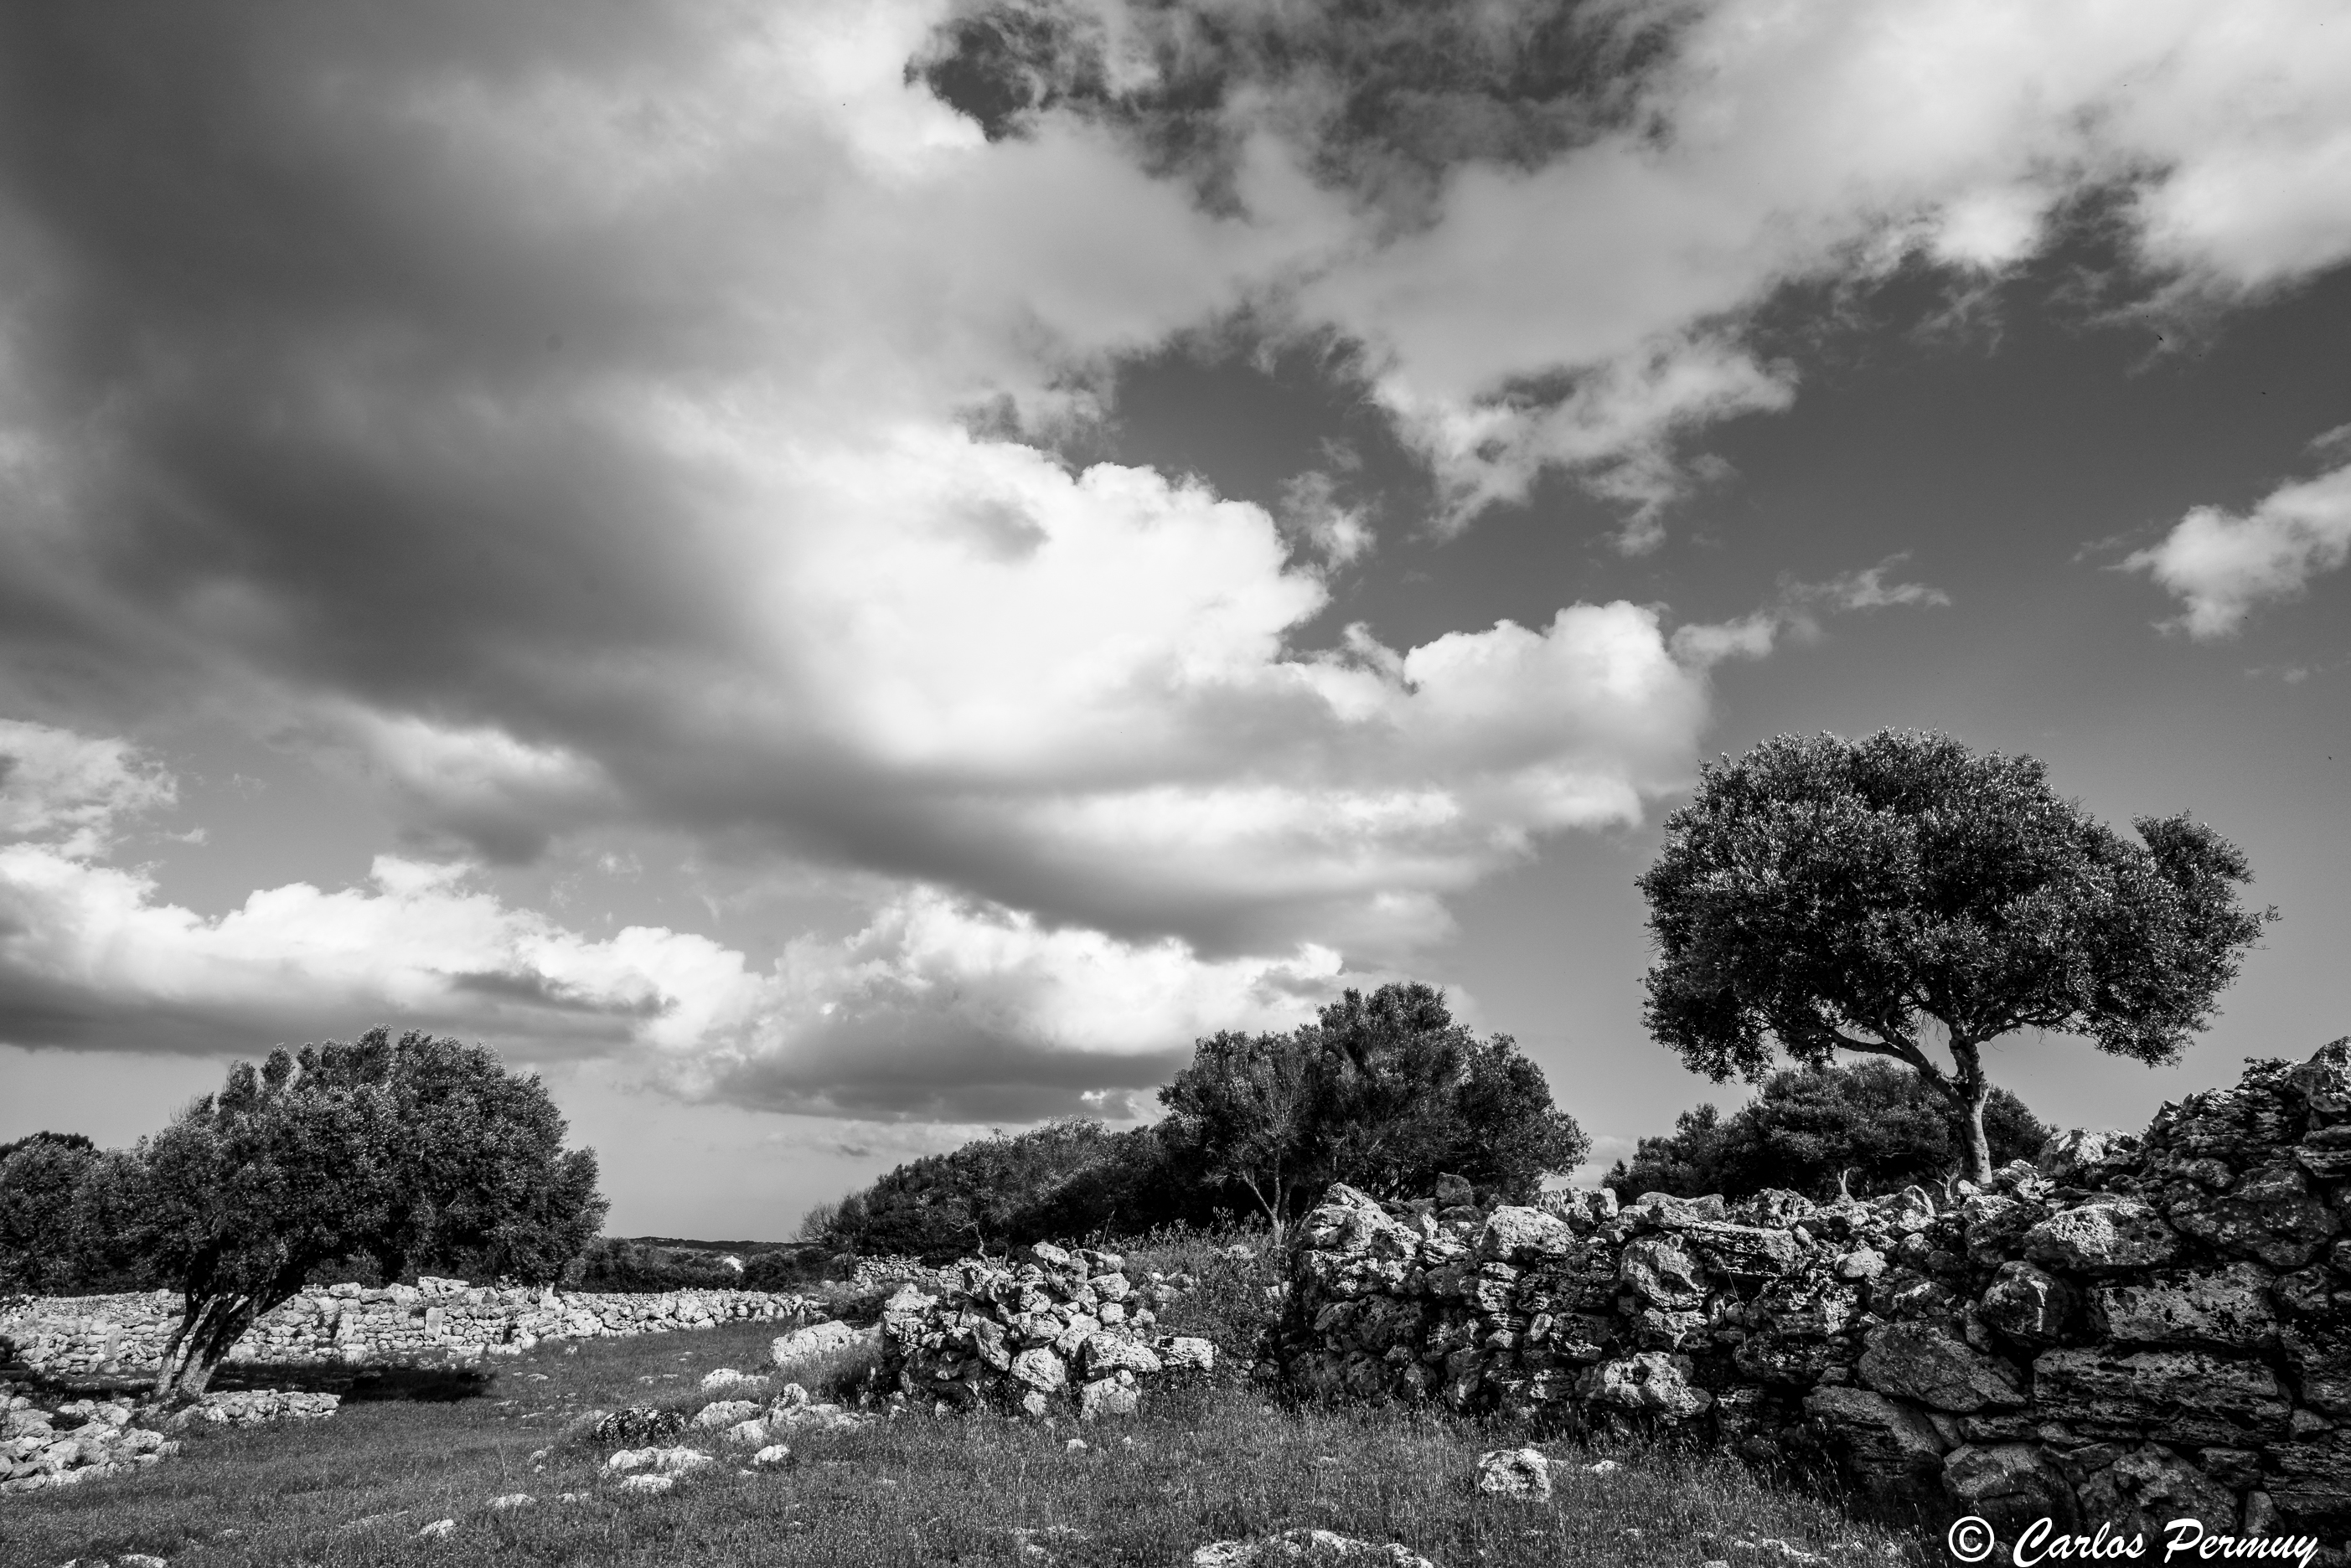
x,y
728,1378
725,1413
1604,1467
573,1496
138,1559
534,1376
647,1483
1316,1546
1075,1446
1326,1462
637,1424
774,1454
747,1434
670,1460
437,1529
541,1456
366,1522
511,1501
1515,1472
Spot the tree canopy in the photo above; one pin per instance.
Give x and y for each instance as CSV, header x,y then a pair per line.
x,y
410,1150
1900,894
1866,1127
1384,1091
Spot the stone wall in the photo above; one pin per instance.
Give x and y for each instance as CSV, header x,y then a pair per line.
x,y
2137,1330
433,1320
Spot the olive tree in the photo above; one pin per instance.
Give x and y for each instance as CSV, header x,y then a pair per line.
x,y
410,1150
1901,896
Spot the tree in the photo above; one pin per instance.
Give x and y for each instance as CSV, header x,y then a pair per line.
x,y
1246,1104
69,1213
1384,1091
1870,1126
1899,893
414,1150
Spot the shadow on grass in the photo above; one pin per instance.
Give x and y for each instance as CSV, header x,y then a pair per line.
x,y
424,1385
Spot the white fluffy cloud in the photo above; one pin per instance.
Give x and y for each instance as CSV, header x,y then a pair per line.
x,y
2223,567
1035,1017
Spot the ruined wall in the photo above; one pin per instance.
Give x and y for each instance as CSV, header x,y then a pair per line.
x,y
2139,1329
433,1320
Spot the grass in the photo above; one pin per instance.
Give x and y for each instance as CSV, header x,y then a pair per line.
x,y
1211,1462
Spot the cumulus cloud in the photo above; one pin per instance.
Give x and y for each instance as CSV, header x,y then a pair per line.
x,y
2222,567
938,1008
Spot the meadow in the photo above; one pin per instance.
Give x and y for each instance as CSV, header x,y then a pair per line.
x,y
1213,1462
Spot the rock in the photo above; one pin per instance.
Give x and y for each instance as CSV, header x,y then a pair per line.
x,y
666,1460
1911,1361
2009,1485
1892,1450
436,1530
1314,1547
1107,1397
1184,1352
1661,1272
807,1344
2268,1215
727,1377
1104,1353
771,1456
1862,1263
1736,1252
2171,1395
2028,1304
1649,1384
1515,1235
725,1413
2146,1488
510,1502
2229,1308
644,1484
1515,1472
1040,1370
747,1434
2108,1235
637,1424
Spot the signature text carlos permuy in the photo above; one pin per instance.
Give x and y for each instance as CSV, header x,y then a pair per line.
x,y
1972,1540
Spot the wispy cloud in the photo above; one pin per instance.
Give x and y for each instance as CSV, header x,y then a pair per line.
x,y
2223,567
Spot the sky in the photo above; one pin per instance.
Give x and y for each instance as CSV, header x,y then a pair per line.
x,y
830,577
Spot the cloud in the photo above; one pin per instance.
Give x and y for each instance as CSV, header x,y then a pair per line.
x,y
938,1009
1576,213
1795,611
2223,567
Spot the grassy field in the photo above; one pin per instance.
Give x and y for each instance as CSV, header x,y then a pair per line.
x,y
1198,1465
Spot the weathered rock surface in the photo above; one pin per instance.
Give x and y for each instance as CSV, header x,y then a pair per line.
x,y
1515,1472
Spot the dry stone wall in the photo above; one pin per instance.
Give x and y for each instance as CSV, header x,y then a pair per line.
x,y
2137,1329
433,1320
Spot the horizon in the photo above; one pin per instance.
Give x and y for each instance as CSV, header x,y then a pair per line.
x,y
837,579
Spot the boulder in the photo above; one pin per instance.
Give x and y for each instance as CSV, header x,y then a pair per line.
x,y
1105,1353
1305,1548
1657,1268
806,1344
1186,1353
2009,1485
1040,1370
2228,1308
1915,1362
725,1413
1515,1235
2147,1487
1891,1450
1106,1398
1515,1472
1651,1383
2102,1237
2269,1215
2028,1304
2171,1395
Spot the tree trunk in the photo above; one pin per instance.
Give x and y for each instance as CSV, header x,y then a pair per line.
x,y
208,1327
1969,1091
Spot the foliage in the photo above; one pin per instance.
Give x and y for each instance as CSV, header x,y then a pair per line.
x,y
1810,1126
1067,1179
418,1149
1384,1091
69,1220
1883,895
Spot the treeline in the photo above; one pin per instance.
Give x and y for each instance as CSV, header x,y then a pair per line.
x,y
647,1263
1384,1091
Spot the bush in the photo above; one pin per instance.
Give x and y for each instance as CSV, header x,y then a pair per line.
x,y
1875,1120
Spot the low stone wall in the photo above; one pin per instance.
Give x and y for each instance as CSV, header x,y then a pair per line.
x,y
2138,1330
1059,1330
433,1320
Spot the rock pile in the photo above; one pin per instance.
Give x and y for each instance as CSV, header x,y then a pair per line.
x,y
254,1407
2137,1329
1058,1329
432,1320
76,1441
